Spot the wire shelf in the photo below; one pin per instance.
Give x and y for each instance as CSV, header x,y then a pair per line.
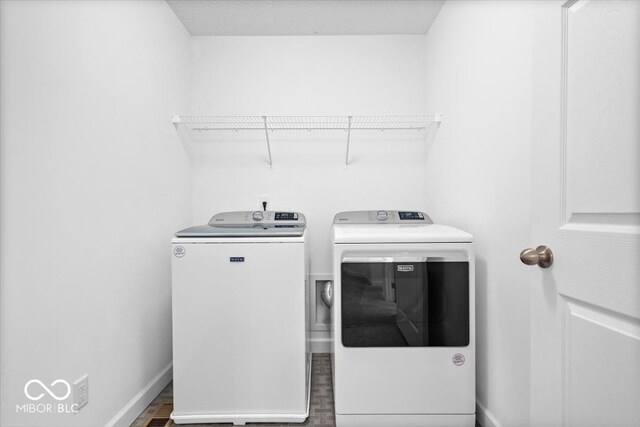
x,y
273,123
307,123
415,122
269,124
236,123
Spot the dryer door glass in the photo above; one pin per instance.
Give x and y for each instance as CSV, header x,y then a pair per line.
x,y
405,304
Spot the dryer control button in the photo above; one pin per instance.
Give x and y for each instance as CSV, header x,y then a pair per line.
x,y
382,215
258,216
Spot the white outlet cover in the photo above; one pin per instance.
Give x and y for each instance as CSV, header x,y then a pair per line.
x,y
81,391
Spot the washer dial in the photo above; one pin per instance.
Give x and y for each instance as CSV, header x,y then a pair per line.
x,y
382,215
258,216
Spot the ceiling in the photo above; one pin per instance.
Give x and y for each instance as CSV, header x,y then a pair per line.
x,y
305,17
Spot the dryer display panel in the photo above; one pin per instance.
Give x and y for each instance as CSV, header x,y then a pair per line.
x,y
411,216
405,304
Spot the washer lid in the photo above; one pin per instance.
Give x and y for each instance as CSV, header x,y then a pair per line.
x,y
249,224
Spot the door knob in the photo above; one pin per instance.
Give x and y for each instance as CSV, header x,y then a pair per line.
x,y
541,256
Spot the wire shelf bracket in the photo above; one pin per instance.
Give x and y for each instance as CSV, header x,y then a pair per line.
x,y
266,134
346,162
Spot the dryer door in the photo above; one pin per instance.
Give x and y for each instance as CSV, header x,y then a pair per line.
x,y
409,301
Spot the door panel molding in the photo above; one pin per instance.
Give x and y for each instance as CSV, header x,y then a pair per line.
x,y
600,267
564,59
600,368
614,219
598,252
599,110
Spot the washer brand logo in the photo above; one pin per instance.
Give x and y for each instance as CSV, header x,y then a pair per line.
x,y
179,251
405,268
236,259
34,385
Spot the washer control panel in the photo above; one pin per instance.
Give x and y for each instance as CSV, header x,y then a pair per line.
x,y
253,218
382,217
286,216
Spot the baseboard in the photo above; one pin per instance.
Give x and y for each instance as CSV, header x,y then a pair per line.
x,y
140,401
485,417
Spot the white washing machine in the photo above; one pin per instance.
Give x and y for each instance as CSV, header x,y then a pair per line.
x,y
240,345
404,327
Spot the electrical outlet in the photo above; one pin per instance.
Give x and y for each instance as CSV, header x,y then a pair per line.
x,y
265,198
81,392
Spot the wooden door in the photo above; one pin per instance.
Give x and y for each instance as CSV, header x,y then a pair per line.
x,y
585,308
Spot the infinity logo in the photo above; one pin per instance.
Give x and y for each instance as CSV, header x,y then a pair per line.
x,y
52,394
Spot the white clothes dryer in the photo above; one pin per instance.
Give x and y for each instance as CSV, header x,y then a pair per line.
x,y
404,326
240,345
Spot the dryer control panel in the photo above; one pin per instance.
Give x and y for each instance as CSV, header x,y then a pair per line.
x,y
382,217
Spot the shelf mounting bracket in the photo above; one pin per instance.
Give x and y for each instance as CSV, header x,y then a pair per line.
x,y
348,140
266,134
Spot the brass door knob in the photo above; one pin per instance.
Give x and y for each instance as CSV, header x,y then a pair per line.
x,y
541,256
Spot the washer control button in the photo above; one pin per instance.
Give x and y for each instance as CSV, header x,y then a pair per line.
x,y
382,215
258,216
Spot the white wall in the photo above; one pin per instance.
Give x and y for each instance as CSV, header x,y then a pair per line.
x,y
309,76
93,182
479,76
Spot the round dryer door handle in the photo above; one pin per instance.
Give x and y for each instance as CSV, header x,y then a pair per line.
x,y
540,256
